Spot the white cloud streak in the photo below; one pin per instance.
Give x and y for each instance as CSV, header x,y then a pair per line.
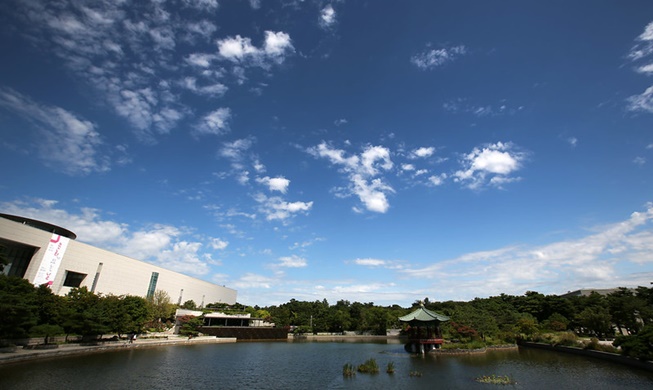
x,y
434,58
598,260
66,143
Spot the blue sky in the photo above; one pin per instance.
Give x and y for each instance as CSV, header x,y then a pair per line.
x,y
373,151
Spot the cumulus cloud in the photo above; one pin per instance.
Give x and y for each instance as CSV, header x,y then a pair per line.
x,y
362,171
67,143
490,165
275,183
430,59
422,152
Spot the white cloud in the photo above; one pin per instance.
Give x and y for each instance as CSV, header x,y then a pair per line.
x,y
275,183
251,280
126,52
234,150
204,5
494,161
599,260
163,245
340,122
276,47
639,160
219,244
370,262
216,89
438,180
276,208
643,51
215,122
293,261
66,143
422,152
327,16
361,171
642,102
462,105
434,58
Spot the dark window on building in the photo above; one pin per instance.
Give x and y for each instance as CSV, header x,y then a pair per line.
x,y
73,279
18,256
152,288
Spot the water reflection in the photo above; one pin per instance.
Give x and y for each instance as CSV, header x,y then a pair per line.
x,y
309,365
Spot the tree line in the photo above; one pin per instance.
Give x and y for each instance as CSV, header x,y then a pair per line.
x,y
35,311
29,311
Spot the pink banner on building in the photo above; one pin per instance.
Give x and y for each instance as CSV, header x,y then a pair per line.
x,y
51,260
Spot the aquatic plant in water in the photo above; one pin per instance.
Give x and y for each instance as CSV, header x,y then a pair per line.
x,y
348,370
415,374
496,379
369,367
391,368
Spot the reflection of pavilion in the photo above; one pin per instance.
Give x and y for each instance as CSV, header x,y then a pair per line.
x,y
424,333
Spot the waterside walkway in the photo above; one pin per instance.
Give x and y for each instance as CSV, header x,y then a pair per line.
x,y
20,354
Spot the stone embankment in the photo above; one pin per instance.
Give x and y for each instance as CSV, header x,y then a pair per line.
x,y
20,354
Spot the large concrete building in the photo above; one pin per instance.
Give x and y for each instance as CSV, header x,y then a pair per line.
x,y
47,254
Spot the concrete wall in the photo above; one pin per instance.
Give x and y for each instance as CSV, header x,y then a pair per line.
x,y
120,274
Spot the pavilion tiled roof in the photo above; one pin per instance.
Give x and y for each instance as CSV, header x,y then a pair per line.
x,y
423,314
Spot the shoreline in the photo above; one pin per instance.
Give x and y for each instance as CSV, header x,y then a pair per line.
x,y
21,355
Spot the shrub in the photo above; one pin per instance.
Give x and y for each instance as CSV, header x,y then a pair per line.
x,y
568,339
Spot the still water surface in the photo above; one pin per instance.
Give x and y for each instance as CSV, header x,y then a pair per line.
x,y
314,365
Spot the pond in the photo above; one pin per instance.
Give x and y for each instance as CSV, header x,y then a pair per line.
x,y
315,365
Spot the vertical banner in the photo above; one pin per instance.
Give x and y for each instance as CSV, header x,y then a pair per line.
x,y
51,260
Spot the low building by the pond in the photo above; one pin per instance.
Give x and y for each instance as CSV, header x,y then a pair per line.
x,y
240,326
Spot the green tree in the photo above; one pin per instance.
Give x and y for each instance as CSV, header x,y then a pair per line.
x,y
86,316
189,325
639,346
625,309
162,311
595,320
189,305
46,330
18,307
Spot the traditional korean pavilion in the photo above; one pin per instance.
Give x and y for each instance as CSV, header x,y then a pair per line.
x,y
424,333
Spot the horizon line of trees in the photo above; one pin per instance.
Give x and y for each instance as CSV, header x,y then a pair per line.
x,y
36,311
